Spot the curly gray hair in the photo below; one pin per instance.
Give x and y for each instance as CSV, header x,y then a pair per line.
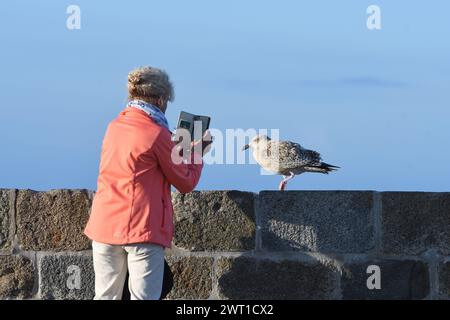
x,y
148,83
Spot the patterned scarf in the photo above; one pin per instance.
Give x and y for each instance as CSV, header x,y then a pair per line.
x,y
153,112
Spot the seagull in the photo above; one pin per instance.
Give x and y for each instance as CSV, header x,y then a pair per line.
x,y
286,158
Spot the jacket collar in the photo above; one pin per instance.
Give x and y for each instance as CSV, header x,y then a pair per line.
x,y
134,110
138,112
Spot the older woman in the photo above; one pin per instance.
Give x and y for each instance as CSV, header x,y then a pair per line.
x,y
131,216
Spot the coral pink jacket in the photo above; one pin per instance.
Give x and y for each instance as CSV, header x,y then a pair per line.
x,y
133,199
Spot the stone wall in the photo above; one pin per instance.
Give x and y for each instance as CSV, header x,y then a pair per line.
x,y
241,245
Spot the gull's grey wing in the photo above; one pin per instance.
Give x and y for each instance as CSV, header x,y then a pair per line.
x,y
292,155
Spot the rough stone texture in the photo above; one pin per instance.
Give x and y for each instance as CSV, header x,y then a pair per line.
x,y
66,276
444,280
16,277
405,279
251,278
52,220
322,221
5,220
214,220
191,277
414,222
414,229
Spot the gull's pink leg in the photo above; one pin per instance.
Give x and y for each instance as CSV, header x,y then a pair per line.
x,y
283,182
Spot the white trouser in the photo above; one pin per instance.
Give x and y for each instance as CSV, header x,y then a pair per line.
x,y
145,264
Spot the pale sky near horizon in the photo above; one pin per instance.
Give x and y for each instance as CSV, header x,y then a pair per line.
x,y
375,103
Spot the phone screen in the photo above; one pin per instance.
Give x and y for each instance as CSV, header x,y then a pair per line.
x,y
185,124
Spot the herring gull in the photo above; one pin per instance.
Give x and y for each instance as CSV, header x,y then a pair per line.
x,y
286,158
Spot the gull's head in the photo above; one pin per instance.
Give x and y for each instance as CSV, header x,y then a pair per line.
x,y
255,141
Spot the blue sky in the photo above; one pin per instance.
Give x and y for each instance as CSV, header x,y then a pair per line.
x,y
375,103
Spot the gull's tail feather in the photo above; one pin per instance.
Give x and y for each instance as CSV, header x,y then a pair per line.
x,y
322,168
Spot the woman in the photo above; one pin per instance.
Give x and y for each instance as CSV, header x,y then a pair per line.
x,y
131,216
